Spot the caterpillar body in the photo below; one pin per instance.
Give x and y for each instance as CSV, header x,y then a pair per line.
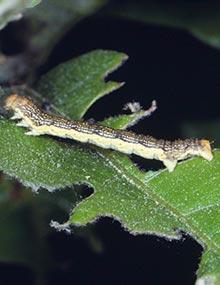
x,y
39,123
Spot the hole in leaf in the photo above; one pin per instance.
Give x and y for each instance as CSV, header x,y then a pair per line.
x,y
85,191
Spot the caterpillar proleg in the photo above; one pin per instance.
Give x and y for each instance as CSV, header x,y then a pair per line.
x,y
40,123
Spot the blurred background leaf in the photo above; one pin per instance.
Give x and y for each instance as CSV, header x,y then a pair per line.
x,y
11,10
201,18
198,129
40,30
53,18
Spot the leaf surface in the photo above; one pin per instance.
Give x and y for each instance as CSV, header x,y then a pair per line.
x,y
72,87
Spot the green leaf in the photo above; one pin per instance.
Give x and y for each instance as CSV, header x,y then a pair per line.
x,y
201,18
43,162
153,202
126,121
209,270
11,10
75,85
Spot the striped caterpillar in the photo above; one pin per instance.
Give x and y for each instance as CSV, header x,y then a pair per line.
x,y
40,123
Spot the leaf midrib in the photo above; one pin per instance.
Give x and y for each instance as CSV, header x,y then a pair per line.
x,y
195,231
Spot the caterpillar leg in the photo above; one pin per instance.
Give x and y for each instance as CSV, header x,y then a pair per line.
x,y
22,123
16,116
170,164
32,133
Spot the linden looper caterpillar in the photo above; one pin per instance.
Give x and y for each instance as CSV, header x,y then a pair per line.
x,y
40,123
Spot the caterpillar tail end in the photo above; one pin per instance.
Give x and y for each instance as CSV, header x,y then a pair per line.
x,y
10,101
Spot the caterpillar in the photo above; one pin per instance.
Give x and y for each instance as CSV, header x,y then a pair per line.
x,y
40,123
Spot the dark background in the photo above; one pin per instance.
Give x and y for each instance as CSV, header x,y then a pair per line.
x,y
182,74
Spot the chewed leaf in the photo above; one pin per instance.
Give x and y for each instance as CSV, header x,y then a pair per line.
x,y
125,121
158,203
75,85
42,162
165,187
